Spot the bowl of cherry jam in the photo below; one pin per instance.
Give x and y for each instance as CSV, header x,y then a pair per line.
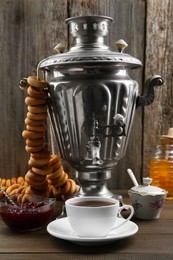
x,y
30,215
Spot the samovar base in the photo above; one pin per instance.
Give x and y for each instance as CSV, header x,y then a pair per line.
x,y
94,189
95,184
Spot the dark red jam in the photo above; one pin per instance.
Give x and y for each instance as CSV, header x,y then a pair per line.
x,y
27,216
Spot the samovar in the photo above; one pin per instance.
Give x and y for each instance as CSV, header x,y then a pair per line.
x,y
92,101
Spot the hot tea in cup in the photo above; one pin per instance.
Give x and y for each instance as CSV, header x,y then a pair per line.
x,y
95,216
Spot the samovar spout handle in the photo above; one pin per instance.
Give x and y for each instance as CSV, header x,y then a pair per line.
x,y
147,99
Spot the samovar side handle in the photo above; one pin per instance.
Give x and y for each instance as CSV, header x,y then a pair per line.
x,y
147,99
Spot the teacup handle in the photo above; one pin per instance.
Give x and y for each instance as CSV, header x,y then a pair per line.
x,y
126,207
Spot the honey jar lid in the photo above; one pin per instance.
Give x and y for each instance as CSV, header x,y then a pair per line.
x,y
168,139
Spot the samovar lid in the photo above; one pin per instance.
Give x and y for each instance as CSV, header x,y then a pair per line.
x,y
90,49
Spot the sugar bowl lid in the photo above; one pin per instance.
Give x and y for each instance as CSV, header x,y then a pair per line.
x,y
147,189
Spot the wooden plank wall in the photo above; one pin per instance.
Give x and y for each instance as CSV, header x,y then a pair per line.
x,y
158,117
29,31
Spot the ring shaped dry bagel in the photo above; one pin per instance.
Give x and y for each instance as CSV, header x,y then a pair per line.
x,y
35,142
55,177
29,191
32,135
36,82
20,180
34,177
42,155
55,174
8,183
73,186
40,187
42,171
37,109
54,158
56,166
77,188
35,183
65,188
34,149
52,182
36,93
13,180
3,182
55,191
63,180
19,197
41,116
10,189
33,162
21,189
34,122
30,101
58,181
55,162
41,128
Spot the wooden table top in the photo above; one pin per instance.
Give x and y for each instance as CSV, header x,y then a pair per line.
x,y
154,240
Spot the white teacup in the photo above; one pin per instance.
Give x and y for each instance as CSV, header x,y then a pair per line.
x,y
95,216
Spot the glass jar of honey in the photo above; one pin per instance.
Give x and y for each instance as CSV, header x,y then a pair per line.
x,y
161,164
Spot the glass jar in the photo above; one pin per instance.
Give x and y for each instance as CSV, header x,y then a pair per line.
x,y
161,168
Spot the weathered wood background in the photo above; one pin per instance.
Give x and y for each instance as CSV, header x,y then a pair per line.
x,y
29,29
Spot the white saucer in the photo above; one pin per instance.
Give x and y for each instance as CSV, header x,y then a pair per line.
x,y
61,228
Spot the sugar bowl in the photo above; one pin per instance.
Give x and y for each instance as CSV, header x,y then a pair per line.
x,y
147,200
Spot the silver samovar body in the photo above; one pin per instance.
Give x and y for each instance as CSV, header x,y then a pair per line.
x,y
92,101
